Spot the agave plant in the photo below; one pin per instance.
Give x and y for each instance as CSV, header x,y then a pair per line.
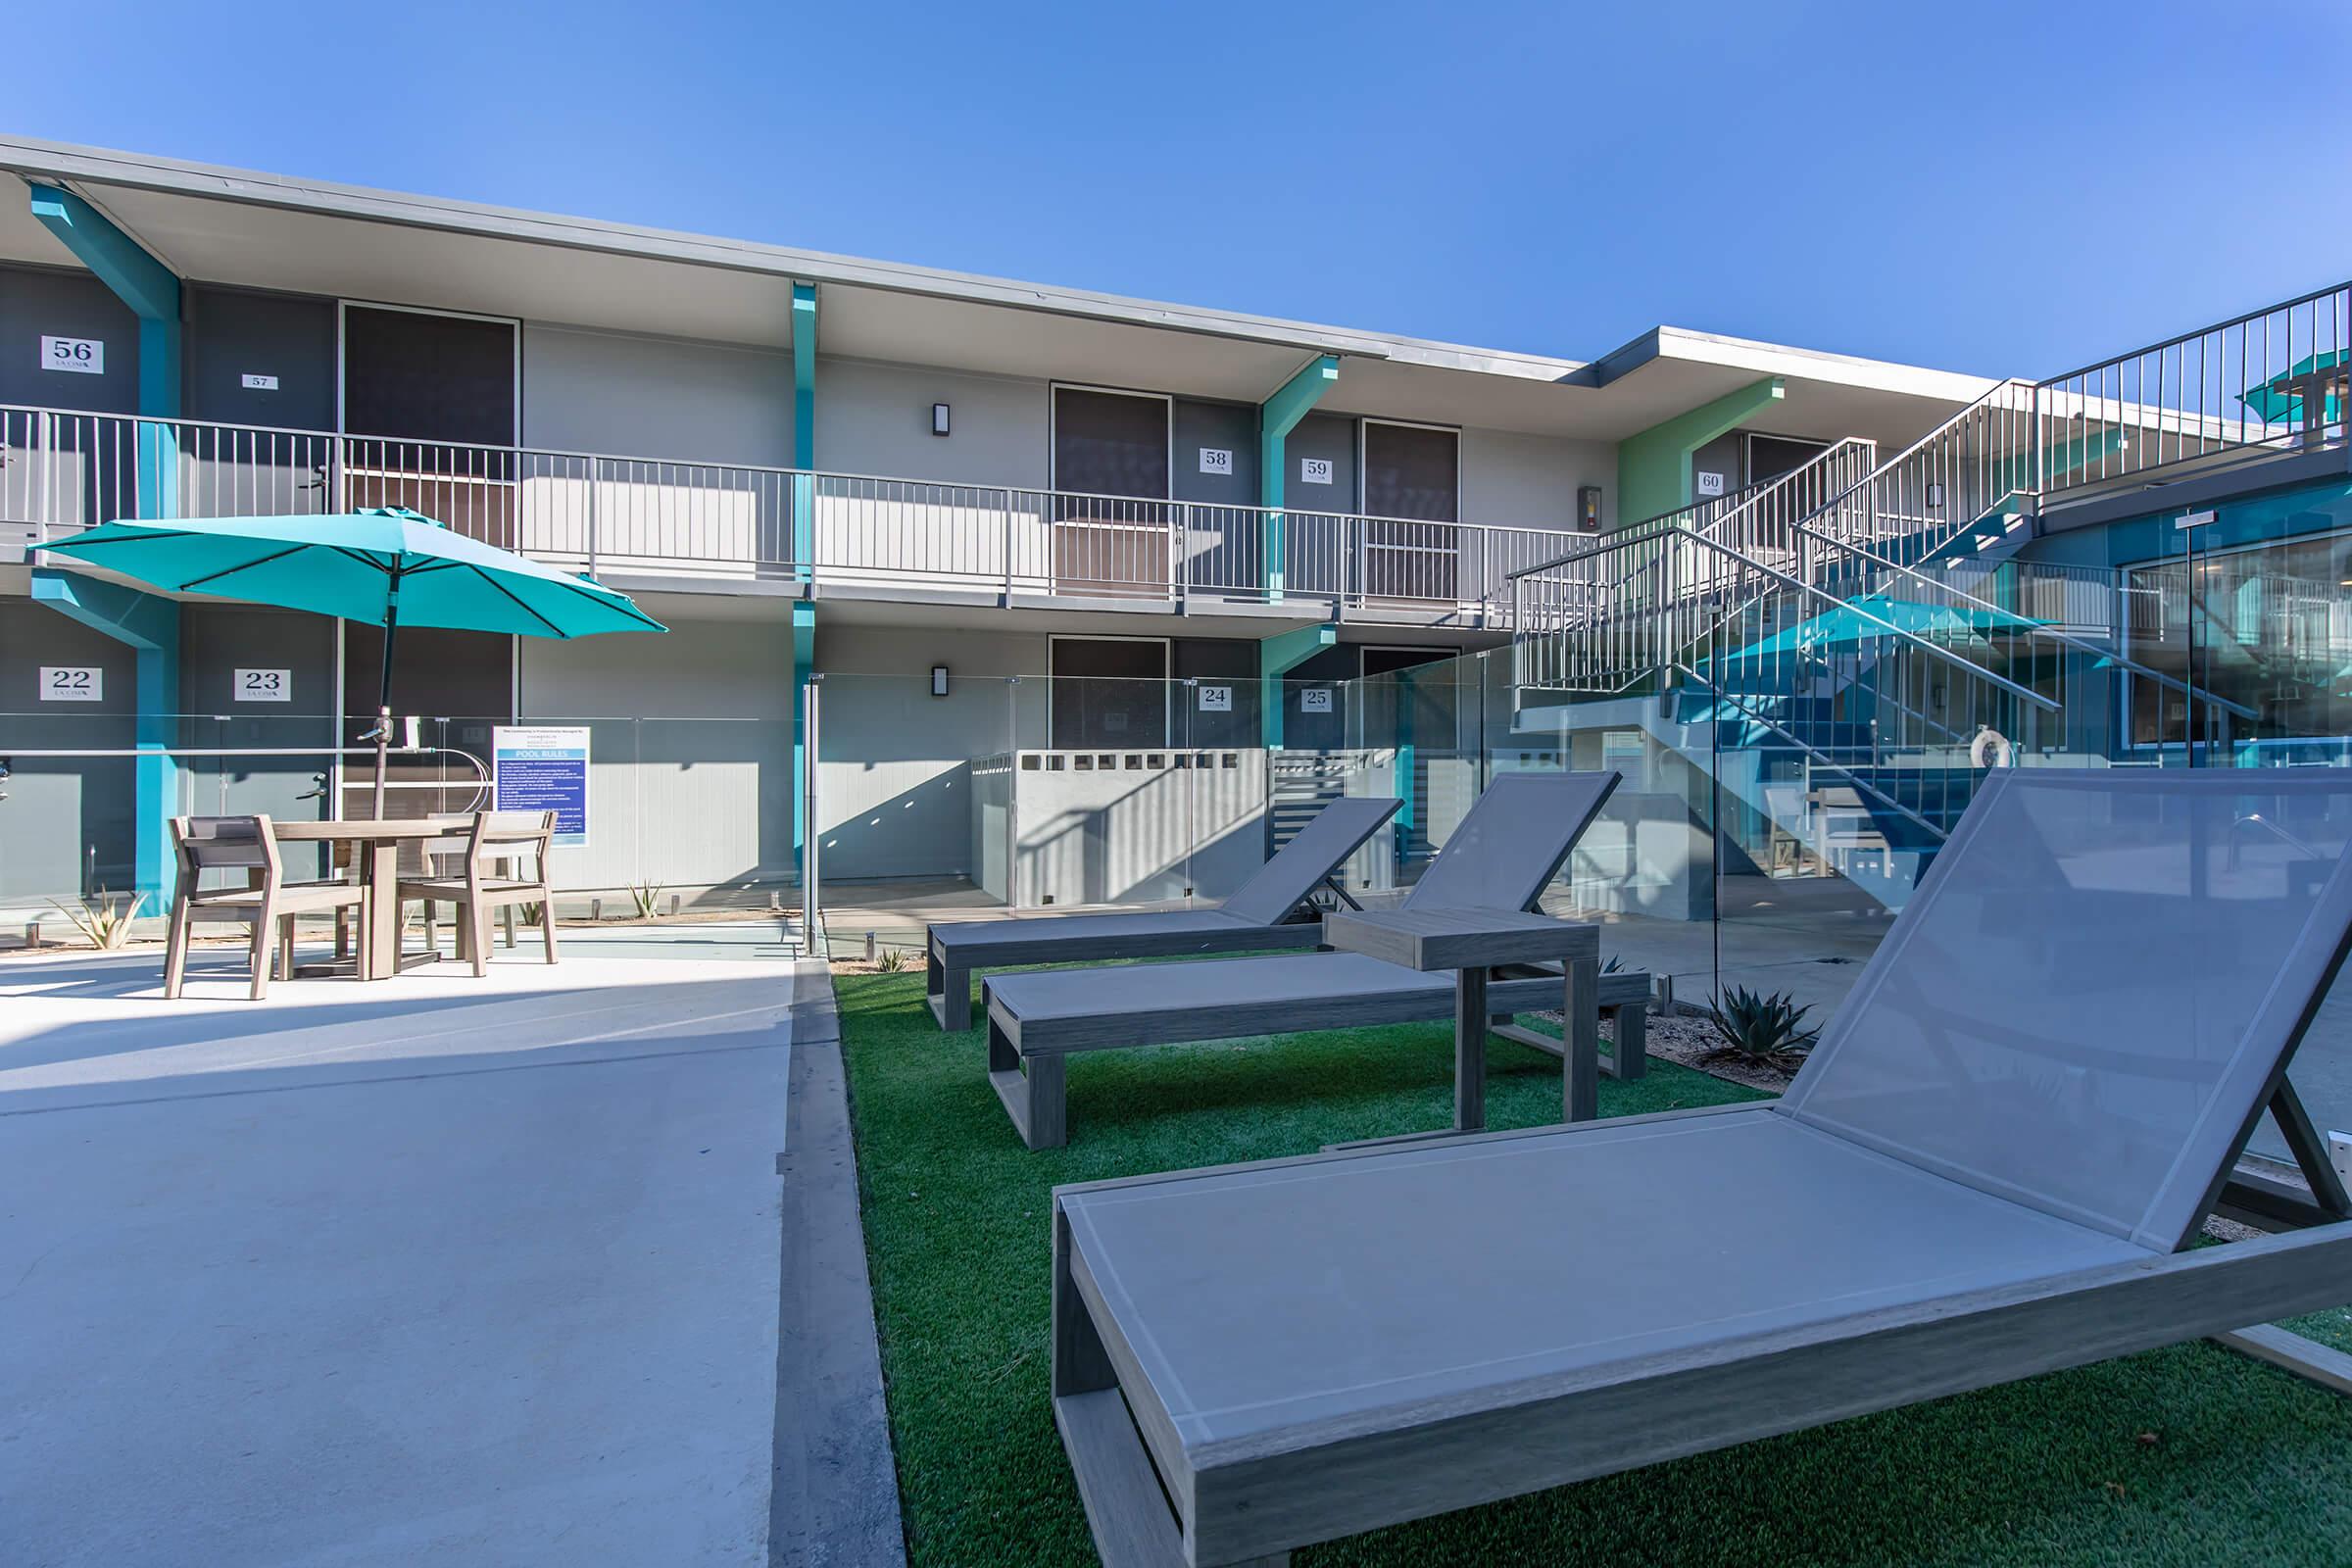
x,y
890,960
104,923
647,895
1761,1031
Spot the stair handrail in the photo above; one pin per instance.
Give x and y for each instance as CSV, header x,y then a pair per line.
x,y
2069,639
2030,454
1740,500
1801,743
1933,650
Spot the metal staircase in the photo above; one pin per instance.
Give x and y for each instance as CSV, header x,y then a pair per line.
x,y
1850,645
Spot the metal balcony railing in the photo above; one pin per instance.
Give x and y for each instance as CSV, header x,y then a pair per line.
x,y
62,470
2271,382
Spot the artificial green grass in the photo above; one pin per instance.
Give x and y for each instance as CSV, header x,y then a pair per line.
x,y
2188,1456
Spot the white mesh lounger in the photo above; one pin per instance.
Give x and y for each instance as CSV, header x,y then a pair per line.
x,y
1508,848
1269,910
1991,1168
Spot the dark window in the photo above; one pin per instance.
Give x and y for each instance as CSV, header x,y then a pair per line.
x,y
1109,693
1412,472
1771,456
428,377
1110,444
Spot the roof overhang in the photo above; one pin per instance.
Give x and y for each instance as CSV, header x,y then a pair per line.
x,y
242,228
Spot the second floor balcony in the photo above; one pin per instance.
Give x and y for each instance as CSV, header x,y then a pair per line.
x,y
767,529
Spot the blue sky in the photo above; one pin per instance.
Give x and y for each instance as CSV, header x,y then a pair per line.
x,y
2004,188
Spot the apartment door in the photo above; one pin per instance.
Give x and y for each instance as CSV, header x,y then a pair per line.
x,y
1412,495
429,416
1112,524
1109,693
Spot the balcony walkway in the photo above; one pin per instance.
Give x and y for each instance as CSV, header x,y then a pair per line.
x,y
444,1270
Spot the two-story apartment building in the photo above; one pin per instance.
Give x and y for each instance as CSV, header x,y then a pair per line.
x,y
801,463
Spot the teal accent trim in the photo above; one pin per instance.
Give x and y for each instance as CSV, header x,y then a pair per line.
x,y
152,292
1277,654
136,278
1277,417
803,660
1408,815
804,428
149,625
1654,468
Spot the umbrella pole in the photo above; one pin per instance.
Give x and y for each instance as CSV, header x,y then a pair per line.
x,y
383,703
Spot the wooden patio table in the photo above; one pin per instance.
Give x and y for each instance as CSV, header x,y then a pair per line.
x,y
1470,941
379,844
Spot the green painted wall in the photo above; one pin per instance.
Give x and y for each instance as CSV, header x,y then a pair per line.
x,y
1654,468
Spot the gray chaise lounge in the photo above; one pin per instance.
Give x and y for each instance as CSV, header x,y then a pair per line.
x,y
1505,852
1269,910
1991,1168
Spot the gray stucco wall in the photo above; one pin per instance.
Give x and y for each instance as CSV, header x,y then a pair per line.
x,y
631,395
232,334
1529,481
1330,436
1226,427
37,302
65,819
876,420
690,777
894,762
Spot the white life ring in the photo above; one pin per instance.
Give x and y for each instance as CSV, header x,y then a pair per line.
x,y
1990,748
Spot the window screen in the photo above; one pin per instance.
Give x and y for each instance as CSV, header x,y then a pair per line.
x,y
1771,456
1110,444
1412,472
428,377
1109,693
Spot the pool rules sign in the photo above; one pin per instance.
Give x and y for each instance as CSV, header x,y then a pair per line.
x,y
535,769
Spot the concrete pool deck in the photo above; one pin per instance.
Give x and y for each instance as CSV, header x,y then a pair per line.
x,y
443,1269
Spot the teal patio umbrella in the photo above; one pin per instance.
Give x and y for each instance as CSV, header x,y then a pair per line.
x,y
1871,616
2310,392
385,566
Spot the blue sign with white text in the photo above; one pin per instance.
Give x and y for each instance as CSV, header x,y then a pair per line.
x,y
543,770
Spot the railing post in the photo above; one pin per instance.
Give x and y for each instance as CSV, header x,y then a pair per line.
x,y
1010,533
596,483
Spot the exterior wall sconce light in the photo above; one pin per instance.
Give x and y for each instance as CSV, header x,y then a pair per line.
x,y
1934,495
939,419
939,672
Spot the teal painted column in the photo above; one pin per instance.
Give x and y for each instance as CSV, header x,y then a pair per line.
x,y
1654,468
1275,655
1277,417
1408,815
149,625
152,292
803,430
804,660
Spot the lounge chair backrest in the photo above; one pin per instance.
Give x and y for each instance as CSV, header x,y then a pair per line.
x,y
2093,992
1516,838
1315,851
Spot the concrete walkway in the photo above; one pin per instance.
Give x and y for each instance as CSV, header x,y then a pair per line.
x,y
441,1270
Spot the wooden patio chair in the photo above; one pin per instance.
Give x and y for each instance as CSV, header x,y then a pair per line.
x,y
489,877
268,902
